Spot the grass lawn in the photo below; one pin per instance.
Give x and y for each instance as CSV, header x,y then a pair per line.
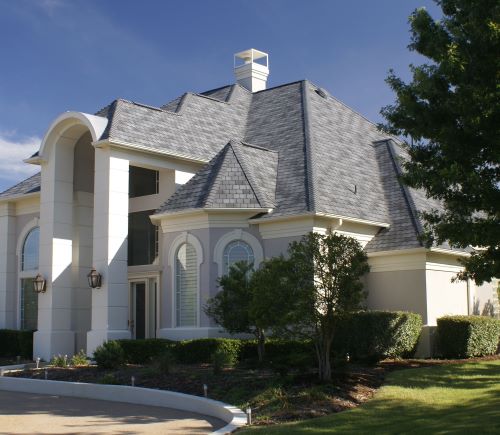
x,y
445,399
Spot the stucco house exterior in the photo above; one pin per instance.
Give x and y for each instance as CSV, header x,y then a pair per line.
x,y
161,200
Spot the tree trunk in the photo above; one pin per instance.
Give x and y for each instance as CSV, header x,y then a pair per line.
x,y
323,347
261,340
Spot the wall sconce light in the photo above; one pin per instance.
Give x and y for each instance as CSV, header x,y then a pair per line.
x,y
39,284
94,278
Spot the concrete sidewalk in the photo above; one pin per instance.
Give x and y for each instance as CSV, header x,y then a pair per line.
x,y
26,413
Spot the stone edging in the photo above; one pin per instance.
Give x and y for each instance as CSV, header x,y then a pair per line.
x,y
234,417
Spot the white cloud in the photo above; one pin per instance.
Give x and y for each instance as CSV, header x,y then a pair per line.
x,y
12,153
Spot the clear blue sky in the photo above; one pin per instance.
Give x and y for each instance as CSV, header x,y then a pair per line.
x,y
59,55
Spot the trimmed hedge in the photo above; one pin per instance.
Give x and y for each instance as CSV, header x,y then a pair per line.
x,y
375,335
14,343
201,350
467,336
144,350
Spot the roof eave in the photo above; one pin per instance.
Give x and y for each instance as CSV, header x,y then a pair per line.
x,y
158,217
126,145
19,196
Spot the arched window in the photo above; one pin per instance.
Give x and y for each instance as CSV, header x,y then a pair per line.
x,y
238,250
29,254
186,286
28,299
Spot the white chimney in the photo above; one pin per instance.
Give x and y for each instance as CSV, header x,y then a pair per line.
x,y
249,73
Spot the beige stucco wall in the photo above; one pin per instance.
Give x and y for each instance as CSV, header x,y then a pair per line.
x,y
401,290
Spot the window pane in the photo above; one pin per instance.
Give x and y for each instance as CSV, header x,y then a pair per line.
x,y
142,181
29,305
237,251
29,256
142,238
186,283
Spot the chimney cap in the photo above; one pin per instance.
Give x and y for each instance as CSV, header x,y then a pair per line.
x,y
250,55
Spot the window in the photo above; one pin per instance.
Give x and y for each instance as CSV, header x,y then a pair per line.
x,y
29,254
186,286
29,305
142,238
142,182
237,251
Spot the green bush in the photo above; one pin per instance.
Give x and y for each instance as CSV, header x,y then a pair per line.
x,y
110,355
80,359
166,361
221,358
375,335
59,360
467,336
144,350
201,350
14,343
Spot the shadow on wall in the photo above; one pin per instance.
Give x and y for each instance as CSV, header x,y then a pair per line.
x,y
489,308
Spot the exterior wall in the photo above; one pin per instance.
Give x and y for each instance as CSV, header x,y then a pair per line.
x,y
485,299
399,290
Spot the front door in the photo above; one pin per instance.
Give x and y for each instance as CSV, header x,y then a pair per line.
x,y
142,316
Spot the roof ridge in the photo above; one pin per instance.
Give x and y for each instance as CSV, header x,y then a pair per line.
x,y
213,179
254,185
406,192
308,155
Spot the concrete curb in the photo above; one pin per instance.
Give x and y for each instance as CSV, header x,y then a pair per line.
x,y
234,417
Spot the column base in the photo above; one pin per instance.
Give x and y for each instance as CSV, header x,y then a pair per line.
x,y
96,337
46,344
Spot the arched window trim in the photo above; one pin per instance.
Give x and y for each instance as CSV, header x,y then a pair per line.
x,y
174,248
31,225
226,254
23,274
231,236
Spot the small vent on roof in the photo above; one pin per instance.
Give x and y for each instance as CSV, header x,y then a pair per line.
x,y
322,93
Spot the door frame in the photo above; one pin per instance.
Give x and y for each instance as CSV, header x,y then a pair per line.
x,y
145,278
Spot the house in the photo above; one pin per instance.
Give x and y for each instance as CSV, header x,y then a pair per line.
x,y
162,200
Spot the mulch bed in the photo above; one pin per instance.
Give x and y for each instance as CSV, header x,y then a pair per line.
x,y
295,397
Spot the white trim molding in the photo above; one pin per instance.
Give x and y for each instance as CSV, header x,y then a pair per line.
x,y
182,238
231,236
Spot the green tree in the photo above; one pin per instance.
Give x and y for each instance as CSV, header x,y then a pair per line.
x,y
319,282
231,306
451,111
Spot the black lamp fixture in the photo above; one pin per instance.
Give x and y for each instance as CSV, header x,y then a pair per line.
x,y
94,278
39,284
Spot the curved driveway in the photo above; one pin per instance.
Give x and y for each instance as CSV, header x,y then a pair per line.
x,y
26,413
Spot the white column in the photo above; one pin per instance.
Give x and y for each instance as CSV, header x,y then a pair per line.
x,y
55,334
110,303
8,300
82,264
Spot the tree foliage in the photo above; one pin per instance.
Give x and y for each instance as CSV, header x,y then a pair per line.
x,y
232,306
451,112
319,281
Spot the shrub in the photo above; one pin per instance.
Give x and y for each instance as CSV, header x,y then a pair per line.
x,y
222,358
201,350
80,359
467,336
14,343
59,360
144,350
166,361
109,355
375,335
282,355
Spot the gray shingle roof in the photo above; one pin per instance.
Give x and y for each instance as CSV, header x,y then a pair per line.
x,y
229,180
309,153
30,185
